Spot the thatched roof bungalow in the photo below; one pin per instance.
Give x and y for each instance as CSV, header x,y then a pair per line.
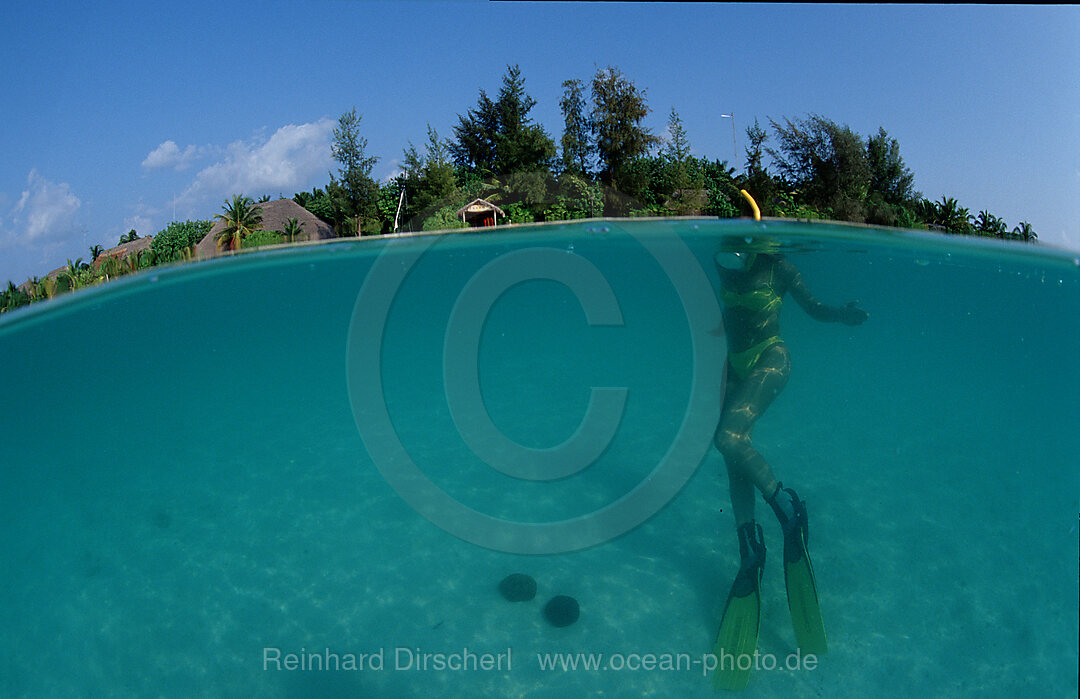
x,y
124,250
275,214
479,213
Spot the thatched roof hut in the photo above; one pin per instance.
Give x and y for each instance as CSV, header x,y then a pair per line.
x,y
275,214
480,212
125,249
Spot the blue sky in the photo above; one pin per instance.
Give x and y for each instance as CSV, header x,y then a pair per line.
x,y
123,115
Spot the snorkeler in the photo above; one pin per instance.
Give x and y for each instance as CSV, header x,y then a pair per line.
x,y
754,284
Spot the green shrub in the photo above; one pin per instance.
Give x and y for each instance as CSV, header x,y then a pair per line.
x,y
557,211
257,239
519,213
443,219
178,236
720,204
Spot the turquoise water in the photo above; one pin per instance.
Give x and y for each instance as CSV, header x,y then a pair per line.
x,y
193,471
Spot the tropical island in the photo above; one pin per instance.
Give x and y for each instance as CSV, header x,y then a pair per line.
x,y
606,163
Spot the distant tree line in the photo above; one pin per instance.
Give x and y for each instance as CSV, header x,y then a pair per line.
x,y
174,243
606,163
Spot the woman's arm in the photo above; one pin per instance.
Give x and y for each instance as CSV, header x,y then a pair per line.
x,y
849,314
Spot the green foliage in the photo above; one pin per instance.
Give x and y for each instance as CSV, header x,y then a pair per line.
x,y
905,218
757,180
318,202
890,179
356,194
76,275
430,180
647,183
677,147
990,225
721,189
826,163
445,218
784,204
241,217
497,137
1025,232
951,216
719,204
575,197
682,172
530,188
470,183
619,109
387,202
475,137
12,297
112,267
178,236
576,146
348,147
259,238
293,228
518,212
818,169
143,259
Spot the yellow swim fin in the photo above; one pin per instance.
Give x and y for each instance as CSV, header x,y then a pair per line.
x,y
737,639
799,572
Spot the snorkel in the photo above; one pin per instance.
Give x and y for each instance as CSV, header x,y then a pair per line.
x,y
742,255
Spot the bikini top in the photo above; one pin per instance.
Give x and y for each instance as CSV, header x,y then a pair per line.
x,y
761,299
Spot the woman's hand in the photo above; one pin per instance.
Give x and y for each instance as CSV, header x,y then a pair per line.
x,y
851,314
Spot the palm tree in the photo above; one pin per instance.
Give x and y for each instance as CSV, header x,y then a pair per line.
x,y
70,277
953,217
12,297
95,251
241,216
1025,231
926,211
293,228
989,224
35,288
111,267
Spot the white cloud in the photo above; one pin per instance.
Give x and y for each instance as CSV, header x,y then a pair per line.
x,y
45,211
41,227
169,155
286,161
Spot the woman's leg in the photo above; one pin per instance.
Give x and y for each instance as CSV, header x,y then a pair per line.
x,y
745,401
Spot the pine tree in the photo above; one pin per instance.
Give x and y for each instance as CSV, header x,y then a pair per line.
x,y
616,123
497,137
356,193
576,148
